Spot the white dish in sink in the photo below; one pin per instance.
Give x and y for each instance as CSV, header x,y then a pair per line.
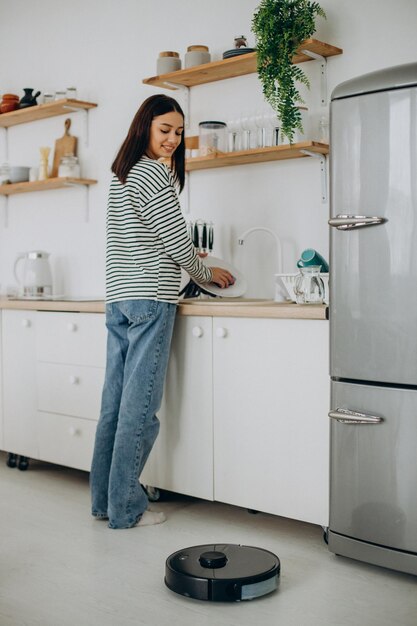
x,y
234,291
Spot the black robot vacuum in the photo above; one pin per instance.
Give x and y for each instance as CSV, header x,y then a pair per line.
x,y
222,572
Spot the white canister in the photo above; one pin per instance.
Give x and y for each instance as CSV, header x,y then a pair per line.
x,y
167,62
196,55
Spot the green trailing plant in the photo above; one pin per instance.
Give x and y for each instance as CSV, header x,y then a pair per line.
x,y
280,26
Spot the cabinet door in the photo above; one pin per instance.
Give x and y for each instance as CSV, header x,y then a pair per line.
x,y
19,383
71,338
271,401
182,457
66,440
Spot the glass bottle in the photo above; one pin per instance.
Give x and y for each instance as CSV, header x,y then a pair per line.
x,y
309,286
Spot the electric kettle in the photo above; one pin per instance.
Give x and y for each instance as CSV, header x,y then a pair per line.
x,y
36,280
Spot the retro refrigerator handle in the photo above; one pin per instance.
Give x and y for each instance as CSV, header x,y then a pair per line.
x,y
344,416
347,222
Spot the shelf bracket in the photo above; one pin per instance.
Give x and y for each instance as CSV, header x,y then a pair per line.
x,y
6,211
87,197
6,145
323,171
323,74
187,193
186,103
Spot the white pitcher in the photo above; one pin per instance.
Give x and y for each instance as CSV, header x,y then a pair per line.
x,y
36,280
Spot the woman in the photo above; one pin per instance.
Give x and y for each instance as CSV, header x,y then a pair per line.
x,y
147,244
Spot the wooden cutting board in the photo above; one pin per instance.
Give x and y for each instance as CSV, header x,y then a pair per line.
x,y
67,144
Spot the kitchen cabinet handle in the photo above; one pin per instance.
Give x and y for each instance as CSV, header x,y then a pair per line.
x,y
74,380
26,323
221,332
197,331
72,327
344,416
348,222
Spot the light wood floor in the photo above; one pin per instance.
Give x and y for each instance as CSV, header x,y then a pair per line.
x,y
60,567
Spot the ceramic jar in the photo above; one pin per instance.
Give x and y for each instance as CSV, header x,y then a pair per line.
x,y
167,62
196,55
69,166
10,102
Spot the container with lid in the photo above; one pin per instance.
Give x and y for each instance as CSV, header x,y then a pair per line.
x,y
167,62
69,167
212,137
196,55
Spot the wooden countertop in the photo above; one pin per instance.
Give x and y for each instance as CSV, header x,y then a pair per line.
x,y
255,309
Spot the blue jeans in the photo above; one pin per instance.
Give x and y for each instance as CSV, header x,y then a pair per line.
x,y
138,343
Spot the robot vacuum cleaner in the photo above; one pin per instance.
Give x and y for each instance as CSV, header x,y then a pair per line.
x,y
222,572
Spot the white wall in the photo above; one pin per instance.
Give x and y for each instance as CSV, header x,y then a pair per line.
x,y
105,49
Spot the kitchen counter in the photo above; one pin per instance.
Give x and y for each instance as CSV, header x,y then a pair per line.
x,y
257,309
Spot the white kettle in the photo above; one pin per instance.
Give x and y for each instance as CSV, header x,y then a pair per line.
x,y
36,280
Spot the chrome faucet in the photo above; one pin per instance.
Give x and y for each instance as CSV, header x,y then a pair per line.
x,y
241,241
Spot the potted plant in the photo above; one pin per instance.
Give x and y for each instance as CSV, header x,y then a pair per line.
x,y
280,26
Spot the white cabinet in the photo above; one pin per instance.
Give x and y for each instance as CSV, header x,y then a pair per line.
x,y
271,399
54,364
20,434
182,457
244,415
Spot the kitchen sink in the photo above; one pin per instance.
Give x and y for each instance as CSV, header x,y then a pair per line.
x,y
228,301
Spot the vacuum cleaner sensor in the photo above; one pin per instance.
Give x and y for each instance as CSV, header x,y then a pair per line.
x,y
222,572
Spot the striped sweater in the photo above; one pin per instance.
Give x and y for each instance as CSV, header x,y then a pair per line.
x,y
147,238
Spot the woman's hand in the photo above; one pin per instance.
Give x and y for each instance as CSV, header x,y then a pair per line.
x,y
222,278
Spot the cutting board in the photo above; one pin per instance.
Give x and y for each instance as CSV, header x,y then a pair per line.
x,y
67,144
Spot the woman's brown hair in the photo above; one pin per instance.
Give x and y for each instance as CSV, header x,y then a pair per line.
x,y
136,143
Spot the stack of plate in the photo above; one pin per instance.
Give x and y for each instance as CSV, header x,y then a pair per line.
x,y
235,52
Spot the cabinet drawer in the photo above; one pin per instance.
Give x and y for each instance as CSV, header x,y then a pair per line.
x,y
78,338
70,389
66,440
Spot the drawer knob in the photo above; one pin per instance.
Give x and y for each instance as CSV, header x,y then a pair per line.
x,y
26,323
221,332
73,431
72,327
198,331
74,380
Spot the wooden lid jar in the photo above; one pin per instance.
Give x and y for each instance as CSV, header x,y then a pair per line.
x,y
167,62
196,55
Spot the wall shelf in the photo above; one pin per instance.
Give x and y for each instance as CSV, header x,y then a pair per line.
x,y
43,185
235,66
43,111
258,155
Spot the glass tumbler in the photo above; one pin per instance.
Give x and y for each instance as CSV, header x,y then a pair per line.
x,y
309,286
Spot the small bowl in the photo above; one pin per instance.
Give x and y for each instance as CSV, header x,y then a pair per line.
x,y
19,174
6,107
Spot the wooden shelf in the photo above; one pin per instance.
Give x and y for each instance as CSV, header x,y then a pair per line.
x,y
43,111
43,185
235,66
258,155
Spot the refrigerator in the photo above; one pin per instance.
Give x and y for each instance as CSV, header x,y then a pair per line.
x,y
373,319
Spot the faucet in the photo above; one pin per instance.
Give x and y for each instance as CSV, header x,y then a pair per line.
x,y
241,241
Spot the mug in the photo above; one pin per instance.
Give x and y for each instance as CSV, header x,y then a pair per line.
x,y
312,257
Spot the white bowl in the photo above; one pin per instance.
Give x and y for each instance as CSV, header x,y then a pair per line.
x,y
288,281
19,174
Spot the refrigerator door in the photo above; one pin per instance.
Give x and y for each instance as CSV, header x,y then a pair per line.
x,y
374,466
373,280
